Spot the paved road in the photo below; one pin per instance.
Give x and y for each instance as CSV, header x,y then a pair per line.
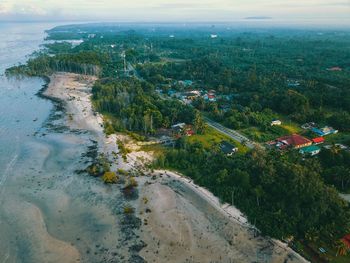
x,y
232,134
131,68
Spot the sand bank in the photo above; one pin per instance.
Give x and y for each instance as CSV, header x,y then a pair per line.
x,y
181,222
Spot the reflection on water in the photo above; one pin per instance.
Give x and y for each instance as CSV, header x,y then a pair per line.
x,y
21,112
48,213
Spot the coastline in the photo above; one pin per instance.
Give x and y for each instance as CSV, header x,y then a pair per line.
x,y
191,223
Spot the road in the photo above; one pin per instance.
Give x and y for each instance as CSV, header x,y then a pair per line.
x,y
234,135
131,68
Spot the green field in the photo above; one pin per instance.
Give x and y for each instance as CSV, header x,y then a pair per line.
x,y
212,138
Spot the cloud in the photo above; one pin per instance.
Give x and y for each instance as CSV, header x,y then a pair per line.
x,y
179,10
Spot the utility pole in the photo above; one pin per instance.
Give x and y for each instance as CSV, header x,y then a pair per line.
x,y
124,60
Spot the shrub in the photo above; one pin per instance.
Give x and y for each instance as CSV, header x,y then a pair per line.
x,y
128,209
110,178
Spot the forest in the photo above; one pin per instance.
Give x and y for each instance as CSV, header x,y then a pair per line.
x,y
134,106
258,75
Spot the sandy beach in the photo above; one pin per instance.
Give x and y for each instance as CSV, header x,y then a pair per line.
x,y
181,222
76,218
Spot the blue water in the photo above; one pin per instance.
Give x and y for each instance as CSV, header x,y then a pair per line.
x,y
21,112
45,206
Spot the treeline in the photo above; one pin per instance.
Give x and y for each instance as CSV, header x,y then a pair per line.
x,y
283,195
134,106
336,167
85,62
280,73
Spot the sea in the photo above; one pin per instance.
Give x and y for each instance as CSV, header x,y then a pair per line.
x,y
49,212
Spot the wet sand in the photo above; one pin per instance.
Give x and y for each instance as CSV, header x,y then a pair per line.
x,y
182,223
58,215
48,212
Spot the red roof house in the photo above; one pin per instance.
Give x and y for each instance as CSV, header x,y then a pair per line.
x,y
295,141
318,140
346,240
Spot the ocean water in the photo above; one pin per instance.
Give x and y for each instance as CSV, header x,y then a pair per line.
x,y
48,212
18,104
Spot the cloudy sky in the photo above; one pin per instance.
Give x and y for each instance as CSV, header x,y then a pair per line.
x,y
172,10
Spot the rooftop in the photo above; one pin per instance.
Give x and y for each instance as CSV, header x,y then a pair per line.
x,y
294,140
227,147
310,149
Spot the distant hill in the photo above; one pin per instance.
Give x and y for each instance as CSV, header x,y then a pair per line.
x,y
258,17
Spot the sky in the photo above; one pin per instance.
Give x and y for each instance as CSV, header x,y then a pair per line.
x,y
337,11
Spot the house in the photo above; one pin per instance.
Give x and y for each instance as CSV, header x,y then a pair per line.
x,y
310,150
308,126
193,94
209,97
228,148
318,140
178,126
188,131
324,131
346,240
275,122
294,141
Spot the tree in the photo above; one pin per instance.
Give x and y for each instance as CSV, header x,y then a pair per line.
x,y
199,124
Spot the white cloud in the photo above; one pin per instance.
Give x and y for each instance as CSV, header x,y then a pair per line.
x,y
184,10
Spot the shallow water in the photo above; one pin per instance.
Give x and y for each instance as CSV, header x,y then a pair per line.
x,y
48,212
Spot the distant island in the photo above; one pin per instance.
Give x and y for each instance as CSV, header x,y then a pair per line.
x,y
258,17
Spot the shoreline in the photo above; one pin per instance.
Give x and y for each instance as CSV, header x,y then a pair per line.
x,y
72,91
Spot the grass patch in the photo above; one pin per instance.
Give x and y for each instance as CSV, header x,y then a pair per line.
x,y
212,138
157,149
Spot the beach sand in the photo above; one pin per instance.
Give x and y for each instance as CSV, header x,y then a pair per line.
x,y
60,216
181,222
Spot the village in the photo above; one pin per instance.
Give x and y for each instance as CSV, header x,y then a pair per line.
x,y
308,142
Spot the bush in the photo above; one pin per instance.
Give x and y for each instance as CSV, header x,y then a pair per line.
x,y
128,209
110,178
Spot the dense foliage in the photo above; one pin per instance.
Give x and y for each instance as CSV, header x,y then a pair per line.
x,y
284,195
300,76
134,106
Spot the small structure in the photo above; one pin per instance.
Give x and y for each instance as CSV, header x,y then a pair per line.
x,y
178,126
193,94
294,141
171,93
346,241
310,150
210,96
318,140
324,131
335,69
308,126
185,83
213,36
276,122
188,130
337,145
227,148
292,83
